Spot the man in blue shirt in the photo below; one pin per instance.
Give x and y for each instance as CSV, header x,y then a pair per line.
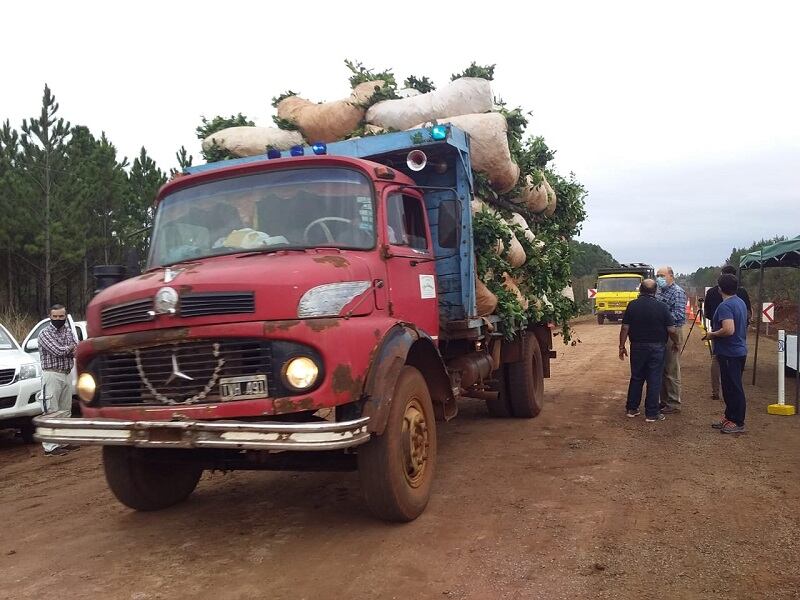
x,y
671,294
729,335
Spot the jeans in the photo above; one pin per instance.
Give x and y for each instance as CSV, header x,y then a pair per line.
x,y
647,364
730,370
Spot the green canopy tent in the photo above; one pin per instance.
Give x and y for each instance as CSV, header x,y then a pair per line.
x,y
779,254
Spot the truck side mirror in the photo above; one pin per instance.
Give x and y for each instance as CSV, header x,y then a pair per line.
x,y
132,261
449,224
107,275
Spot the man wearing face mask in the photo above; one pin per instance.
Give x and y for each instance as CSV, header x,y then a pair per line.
x,y
671,294
57,350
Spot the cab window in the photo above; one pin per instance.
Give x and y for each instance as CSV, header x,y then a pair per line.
x,y
406,221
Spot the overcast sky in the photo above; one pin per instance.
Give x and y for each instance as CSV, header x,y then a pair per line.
x,y
682,121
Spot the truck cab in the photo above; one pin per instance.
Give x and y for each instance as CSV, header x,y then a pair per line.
x,y
307,309
616,287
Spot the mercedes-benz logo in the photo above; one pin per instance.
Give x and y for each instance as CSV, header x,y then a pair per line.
x,y
176,372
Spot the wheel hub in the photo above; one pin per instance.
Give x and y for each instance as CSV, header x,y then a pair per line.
x,y
415,443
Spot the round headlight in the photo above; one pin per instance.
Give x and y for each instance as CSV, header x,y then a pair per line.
x,y
301,373
86,387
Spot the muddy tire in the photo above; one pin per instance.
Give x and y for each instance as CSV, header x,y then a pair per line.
x,y
141,481
600,319
525,380
26,432
396,468
500,407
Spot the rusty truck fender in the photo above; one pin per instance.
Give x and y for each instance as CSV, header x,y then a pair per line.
x,y
404,345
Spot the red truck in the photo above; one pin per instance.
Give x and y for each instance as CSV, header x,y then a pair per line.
x,y
305,310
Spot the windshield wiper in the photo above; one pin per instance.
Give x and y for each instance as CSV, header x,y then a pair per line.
x,y
270,250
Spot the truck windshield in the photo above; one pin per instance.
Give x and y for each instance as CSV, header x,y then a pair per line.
x,y
292,208
618,284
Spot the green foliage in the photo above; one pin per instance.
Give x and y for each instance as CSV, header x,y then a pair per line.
x,y
587,258
69,202
287,94
284,124
360,74
218,123
216,152
421,84
475,70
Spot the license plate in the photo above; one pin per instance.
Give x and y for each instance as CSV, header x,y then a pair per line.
x,y
239,388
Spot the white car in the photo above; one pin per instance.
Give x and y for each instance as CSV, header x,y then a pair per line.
x,y
20,384
31,345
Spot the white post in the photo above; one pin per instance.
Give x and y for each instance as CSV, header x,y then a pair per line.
x,y
781,366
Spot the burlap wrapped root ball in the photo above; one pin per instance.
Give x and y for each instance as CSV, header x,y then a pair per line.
x,y
518,220
328,121
552,201
516,253
511,286
488,147
485,300
252,141
464,96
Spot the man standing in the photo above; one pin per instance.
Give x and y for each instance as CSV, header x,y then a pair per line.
x,y
671,294
712,300
648,322
729,335
56,349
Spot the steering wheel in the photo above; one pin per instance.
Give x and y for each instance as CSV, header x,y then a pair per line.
x,y
324,227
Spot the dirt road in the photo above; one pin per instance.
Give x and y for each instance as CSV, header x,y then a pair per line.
x,y
578,503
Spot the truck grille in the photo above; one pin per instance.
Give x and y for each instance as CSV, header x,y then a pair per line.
x,y
191,305
125,314
6,376
124,376
219,303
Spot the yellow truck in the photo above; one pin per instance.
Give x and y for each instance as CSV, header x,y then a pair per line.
x,y
616,287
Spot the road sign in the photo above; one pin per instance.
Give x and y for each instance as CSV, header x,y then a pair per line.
x,y
768,310
591,293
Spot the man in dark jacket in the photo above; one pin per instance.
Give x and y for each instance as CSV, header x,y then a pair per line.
x,y
649,323
712,301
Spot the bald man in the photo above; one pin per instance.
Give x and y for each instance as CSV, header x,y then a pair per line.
x,y
650,326
671,294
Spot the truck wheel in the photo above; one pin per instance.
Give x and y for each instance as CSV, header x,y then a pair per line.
x,y
500,407
26,432
600,319
143,482
526,380
396,468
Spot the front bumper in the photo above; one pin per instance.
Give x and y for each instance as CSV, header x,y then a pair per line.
x,y
24,397
234,435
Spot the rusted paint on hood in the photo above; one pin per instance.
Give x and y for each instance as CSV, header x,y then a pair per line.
x,y
339,262
138,339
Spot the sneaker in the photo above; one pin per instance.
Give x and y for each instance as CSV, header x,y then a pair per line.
x,y
55,452
731,427
658,417
71,447
720,424
668,410
632,413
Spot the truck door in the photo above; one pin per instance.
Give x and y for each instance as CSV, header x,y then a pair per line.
x,y
410,267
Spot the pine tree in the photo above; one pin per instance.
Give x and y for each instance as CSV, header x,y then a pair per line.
x,y
43,144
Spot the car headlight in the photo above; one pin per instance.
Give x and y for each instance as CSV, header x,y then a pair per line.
x,y
28,371
86,387
329,299
300,373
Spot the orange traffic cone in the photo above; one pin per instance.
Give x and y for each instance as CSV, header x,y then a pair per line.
x,y
690,315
